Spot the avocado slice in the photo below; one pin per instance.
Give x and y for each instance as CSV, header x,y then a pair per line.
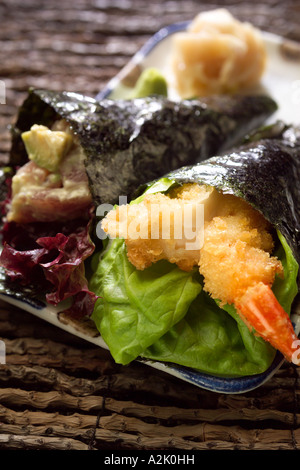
x,y
45,147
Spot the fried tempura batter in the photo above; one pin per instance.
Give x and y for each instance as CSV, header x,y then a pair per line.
x,y
236,246
235,256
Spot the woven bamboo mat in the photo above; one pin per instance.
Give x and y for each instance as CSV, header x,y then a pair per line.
x,y
59,392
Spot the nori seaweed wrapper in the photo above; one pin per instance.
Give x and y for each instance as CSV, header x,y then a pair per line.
x,y
129,142
265,173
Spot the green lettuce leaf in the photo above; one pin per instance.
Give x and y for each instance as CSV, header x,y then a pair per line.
x,y
211,341
136,307
217,341
163,314
286,289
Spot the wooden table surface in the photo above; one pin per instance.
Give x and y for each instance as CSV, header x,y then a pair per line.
x,y
60,392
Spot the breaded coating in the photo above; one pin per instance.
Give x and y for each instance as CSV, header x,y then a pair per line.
x,y
232,246
233,257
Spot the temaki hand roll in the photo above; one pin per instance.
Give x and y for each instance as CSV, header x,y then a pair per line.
x,y
125,143
71,153
224,305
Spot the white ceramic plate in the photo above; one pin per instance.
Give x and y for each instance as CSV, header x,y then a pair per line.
x,y
282,81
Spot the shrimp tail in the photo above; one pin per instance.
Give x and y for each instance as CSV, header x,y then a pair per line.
x,y
260,310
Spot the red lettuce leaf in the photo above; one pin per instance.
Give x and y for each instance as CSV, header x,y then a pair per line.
x,y
51,256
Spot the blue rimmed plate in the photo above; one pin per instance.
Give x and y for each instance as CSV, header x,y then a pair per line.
x,y
86,330
281,81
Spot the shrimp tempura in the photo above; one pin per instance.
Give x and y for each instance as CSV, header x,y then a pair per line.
x,y
144,226
234,258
